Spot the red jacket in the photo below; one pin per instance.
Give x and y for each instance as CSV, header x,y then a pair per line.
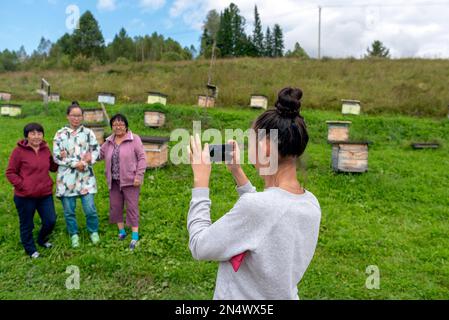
x,y
28,171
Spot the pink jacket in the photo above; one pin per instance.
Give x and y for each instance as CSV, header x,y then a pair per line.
x,y
132,159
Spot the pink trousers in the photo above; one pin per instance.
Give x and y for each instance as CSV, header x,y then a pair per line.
x,y
117,200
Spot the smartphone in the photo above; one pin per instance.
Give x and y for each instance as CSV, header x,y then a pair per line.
x,y
221,152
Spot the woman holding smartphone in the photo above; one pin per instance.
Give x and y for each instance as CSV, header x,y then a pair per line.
x,y
267,240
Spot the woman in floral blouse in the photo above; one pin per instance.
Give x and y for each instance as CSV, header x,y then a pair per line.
x,y
75,150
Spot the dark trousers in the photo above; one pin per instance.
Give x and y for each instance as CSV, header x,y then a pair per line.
x,y
26,207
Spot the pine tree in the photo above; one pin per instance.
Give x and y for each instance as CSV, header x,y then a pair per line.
x,y
224,34
298,52
210,30
122,46
258,34
206,44
240,39
88,39
278,41
22,54
269,46
377,50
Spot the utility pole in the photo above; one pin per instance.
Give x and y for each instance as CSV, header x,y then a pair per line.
x,y
319,32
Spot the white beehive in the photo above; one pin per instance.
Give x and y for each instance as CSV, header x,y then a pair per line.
x,y
106,98
350,107
259,101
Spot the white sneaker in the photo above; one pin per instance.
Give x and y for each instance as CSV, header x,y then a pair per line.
x,y
35,255
47,245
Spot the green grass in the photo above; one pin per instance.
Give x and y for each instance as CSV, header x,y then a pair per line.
x,y
395,216
415,87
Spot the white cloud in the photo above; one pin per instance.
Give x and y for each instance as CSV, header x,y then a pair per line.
x,y
408,29
106,5
151,4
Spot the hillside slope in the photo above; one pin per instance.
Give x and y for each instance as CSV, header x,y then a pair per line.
x,y
406,86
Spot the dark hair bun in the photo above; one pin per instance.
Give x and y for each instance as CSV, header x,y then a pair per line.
x,y
288,103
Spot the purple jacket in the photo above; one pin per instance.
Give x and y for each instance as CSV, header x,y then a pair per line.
x,y
132,159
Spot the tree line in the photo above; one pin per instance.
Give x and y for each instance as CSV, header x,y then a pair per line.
x,y
223,32
86,46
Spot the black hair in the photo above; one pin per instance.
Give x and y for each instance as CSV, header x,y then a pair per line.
x,y
74,105
119,117
286,118
30,127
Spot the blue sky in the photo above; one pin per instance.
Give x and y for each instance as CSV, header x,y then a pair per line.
x,y
409,28
27,21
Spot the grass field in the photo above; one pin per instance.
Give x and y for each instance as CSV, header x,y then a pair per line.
x,y
401,86
395,216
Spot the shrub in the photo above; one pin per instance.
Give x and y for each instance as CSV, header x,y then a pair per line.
x,y
81,63
171,56
122,61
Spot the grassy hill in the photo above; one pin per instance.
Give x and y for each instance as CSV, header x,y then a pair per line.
x,y
408,86
395,216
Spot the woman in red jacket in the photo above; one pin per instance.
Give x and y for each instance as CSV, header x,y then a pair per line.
x,y
28,171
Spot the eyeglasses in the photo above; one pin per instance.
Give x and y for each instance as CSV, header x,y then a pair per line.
x,y
75,116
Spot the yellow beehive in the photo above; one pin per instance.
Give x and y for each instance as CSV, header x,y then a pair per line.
x,y
157,97
350,107
15,110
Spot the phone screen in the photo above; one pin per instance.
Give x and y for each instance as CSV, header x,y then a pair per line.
x,y
220,152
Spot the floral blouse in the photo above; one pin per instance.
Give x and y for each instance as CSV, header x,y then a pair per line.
x,y
70,182
115,165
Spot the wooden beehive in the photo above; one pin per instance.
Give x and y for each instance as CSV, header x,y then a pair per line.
x,y
154,119
156,151
338,131
54,97
106,98
12,110
157,97
5,110
206,101
94,115
350,107
98,130
5,96
259,101
350,156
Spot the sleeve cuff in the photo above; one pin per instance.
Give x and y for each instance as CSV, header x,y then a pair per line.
x,y
200,193
248,187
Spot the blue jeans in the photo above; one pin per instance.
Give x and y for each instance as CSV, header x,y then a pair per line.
x,y
69,205
26,207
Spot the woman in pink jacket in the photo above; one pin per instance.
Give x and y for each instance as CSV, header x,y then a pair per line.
x,y
125,166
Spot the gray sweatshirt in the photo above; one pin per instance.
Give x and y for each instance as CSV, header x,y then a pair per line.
x,y
277,229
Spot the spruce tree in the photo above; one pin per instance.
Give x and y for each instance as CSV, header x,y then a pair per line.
x,y
269,50
278,41
88,39
258,34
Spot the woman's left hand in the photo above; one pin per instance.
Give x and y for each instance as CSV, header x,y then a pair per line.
x,y
137,182
200,161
